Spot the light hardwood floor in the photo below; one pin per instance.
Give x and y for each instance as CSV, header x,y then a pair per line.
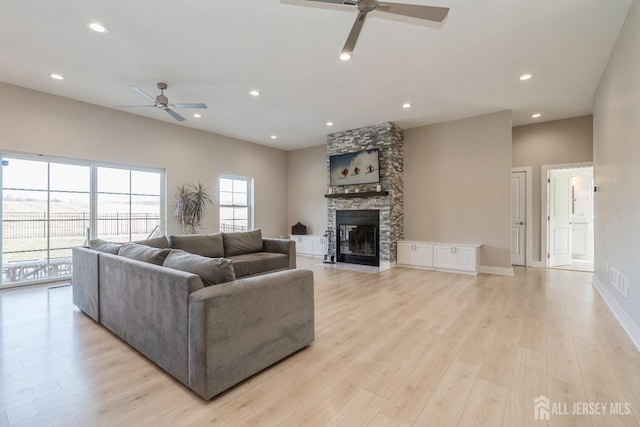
x,y
400,348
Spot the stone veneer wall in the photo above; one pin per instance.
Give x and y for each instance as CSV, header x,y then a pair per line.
x,y
389,140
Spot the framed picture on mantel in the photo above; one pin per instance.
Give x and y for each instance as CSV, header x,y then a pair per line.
x,y
362,167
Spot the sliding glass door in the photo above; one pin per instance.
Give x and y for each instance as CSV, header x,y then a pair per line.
x,y
46,210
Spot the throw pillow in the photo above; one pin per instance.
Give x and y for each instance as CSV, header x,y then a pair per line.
x,y
144,253
104,246
208,245
212,271
157,242
244,242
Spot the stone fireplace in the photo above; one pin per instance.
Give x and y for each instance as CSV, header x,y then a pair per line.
x,y
357,241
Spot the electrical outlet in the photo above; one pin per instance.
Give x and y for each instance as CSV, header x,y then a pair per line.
x,y
624,286
620,282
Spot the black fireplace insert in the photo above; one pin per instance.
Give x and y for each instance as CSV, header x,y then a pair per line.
x,y
358,237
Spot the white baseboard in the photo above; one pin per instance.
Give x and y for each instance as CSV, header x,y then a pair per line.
x,y
502,271
630,327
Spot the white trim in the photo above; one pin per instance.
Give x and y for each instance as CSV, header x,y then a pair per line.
x,y
544,202
502,271
629,326
450,270
538,264
528,234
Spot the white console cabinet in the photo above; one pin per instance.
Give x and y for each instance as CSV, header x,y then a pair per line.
x,y
415,254
454,258
309,245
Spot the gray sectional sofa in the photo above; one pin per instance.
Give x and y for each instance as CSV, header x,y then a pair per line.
x,y
208,337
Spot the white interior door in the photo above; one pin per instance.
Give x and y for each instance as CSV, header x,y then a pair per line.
x,y
518,217
559,218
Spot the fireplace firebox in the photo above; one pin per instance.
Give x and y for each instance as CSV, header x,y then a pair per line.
x,y
358,237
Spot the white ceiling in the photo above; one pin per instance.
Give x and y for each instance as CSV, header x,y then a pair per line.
x,y
217,51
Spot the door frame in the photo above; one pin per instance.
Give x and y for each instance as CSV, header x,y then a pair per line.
x,y
544,205
528,212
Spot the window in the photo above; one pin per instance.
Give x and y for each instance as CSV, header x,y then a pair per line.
x,y
236,203
128,204
47,209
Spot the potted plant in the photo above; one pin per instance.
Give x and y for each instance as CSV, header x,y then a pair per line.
x,y
191,203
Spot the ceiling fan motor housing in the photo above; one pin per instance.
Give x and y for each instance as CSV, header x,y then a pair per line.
x,y
162,100
367,5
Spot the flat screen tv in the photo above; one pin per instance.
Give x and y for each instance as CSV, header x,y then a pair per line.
x,y
362,167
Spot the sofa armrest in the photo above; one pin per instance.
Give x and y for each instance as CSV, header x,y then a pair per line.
x,y
236,329
281,246
84,282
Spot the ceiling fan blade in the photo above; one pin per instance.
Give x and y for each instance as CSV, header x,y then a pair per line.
x,y
430,13
175,115
353,35
197,105
143,93
352,3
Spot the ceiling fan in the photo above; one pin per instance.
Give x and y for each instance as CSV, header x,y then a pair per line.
x,y
162,102
430,13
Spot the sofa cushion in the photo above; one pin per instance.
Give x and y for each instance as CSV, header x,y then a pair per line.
x,y
104,246
244,242
240,267
207,245
258,263
144,253
157,242
212,271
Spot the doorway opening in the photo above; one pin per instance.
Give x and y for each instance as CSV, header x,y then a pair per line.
x,y
569,217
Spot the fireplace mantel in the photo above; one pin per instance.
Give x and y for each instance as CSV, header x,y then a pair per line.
x,y
352,195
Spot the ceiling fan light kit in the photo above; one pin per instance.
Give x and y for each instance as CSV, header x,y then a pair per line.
x,y
162,102
429,13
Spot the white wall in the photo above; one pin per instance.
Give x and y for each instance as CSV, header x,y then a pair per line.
x,y
458,185
616,157
307,187
34,122
550,143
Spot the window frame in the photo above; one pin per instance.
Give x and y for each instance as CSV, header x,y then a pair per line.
x,y
250,199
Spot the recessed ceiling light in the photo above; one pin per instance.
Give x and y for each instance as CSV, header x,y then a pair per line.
x,y
536,115
197,116
329,123
345,56
525,77
97,27
57,76
406,105
274,137
254,93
